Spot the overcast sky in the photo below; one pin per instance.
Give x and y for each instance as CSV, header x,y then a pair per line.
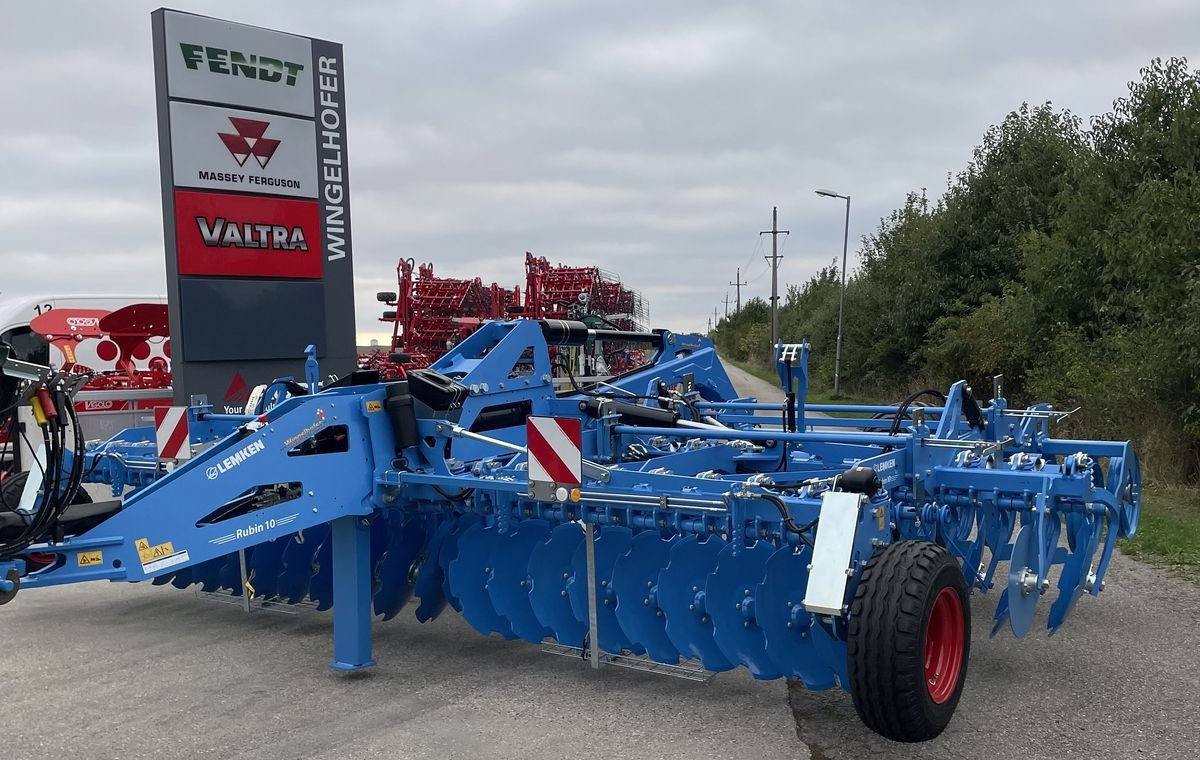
x,y
651,138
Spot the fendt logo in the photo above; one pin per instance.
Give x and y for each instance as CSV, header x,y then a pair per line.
x,y
238,64
221,233
249,141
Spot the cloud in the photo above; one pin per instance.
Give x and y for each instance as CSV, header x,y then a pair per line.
x,y
651,139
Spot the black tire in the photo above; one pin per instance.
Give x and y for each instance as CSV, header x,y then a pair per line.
x,y
12,486
888,629
10,491
10,498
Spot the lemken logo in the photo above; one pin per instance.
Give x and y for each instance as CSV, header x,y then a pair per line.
x,y
233,63
221,233
229,462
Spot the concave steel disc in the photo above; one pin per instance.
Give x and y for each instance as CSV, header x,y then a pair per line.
x,y
786,625
429,586
611,542
449,553
635,581
1021,602
730,597
549,571
470,574
298,563
509,586
264,566
1074,573
320,588
406,538
681,595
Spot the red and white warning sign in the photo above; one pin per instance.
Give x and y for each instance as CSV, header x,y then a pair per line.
x,y
171,432
555,450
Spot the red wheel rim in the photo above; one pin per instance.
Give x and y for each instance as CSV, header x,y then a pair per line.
x,y
944,645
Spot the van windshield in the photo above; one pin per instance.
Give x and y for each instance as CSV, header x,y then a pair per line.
x,y
27,345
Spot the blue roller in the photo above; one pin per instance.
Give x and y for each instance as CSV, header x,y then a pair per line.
x,y
610,543
510,584
470,574
549,570
429,586
635,582
730,596
786,625
298,567
1125,481
681,595
405,539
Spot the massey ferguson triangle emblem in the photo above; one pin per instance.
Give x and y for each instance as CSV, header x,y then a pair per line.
x,y
249,141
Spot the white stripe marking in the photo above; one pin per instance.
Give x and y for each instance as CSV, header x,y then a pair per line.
x,y
563,446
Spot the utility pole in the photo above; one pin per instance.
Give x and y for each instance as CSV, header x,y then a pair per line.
x,y
774,258
727,304
837,360
738,282
714,316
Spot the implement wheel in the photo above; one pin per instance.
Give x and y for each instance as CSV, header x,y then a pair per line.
x,y
909,641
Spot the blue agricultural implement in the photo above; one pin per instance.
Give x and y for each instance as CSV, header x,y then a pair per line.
x,y
656,518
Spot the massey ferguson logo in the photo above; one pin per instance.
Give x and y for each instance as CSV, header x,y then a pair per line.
x,y
222,233
249,141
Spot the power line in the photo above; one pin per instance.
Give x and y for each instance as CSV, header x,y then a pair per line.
x,y
737,281
774,232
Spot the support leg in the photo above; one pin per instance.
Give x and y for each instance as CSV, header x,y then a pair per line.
x,y
593,620
352,594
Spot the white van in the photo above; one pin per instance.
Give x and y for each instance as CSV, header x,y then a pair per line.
x,y
102,413
16,312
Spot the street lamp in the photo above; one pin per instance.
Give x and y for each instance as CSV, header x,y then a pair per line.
x,y
837,361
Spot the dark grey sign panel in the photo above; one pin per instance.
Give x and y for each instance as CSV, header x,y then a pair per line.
x,y
252,140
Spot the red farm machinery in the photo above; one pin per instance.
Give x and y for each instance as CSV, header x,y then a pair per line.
x,y
430,315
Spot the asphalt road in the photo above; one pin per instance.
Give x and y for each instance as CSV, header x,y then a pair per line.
x,y
133,671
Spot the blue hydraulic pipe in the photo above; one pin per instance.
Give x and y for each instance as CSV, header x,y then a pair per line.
x,y
868,408
765,406
862,439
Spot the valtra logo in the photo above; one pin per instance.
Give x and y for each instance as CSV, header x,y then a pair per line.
x,y
249,141
247,236
221,233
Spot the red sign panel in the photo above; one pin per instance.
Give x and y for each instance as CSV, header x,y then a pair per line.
x,y
226,235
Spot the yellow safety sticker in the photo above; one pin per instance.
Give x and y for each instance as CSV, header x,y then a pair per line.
x,y
149,553
374,406
89,559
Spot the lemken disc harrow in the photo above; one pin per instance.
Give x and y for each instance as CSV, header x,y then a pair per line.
x,y
655,516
